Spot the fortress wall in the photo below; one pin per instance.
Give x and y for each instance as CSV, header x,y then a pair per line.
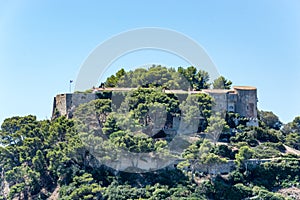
x,y
74,100
220,97
117,99
60,104
181,97
246,104
231,101
220,102
223,168
64,103
229,166
242,99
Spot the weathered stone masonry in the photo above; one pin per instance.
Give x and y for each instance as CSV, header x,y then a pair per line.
x,y
240,99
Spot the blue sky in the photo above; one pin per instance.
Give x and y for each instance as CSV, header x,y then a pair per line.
x,y
44,43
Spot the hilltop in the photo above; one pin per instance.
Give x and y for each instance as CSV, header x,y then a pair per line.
x,y
157,133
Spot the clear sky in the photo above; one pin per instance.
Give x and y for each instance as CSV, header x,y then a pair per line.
x,y
44,43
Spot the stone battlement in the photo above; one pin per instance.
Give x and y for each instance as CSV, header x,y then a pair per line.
x,y
240,99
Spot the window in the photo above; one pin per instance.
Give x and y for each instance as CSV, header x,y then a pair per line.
x,y
231,108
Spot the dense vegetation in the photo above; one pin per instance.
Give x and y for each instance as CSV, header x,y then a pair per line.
x,y
63,157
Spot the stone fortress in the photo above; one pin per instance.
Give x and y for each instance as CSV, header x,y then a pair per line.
x,y
241,99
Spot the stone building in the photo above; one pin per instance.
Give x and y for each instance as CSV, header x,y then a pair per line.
x,y
240,99
63,104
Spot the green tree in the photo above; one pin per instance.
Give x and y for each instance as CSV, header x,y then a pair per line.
x,y
293,140
113,80
222,83
91,116
216,126
110,126
224,151
239,191
198,79
270,120
81,187
195,112
243,155
212,161
23,181
149,106
296,124
190,118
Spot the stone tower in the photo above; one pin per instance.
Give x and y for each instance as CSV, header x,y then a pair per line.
x,y
241,99
64,104
246,104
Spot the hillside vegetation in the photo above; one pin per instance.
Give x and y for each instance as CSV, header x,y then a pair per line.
x,y
63,158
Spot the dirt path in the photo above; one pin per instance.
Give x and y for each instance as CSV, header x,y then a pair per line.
x,y
55,194
291,150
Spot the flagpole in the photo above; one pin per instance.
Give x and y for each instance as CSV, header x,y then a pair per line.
x,y
71,81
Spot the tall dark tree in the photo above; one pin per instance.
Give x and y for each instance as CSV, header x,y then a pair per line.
x,y
198,79
270,120
222,83
113,80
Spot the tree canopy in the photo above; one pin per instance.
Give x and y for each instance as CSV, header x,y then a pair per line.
x,y
158,75
222,83
66,158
